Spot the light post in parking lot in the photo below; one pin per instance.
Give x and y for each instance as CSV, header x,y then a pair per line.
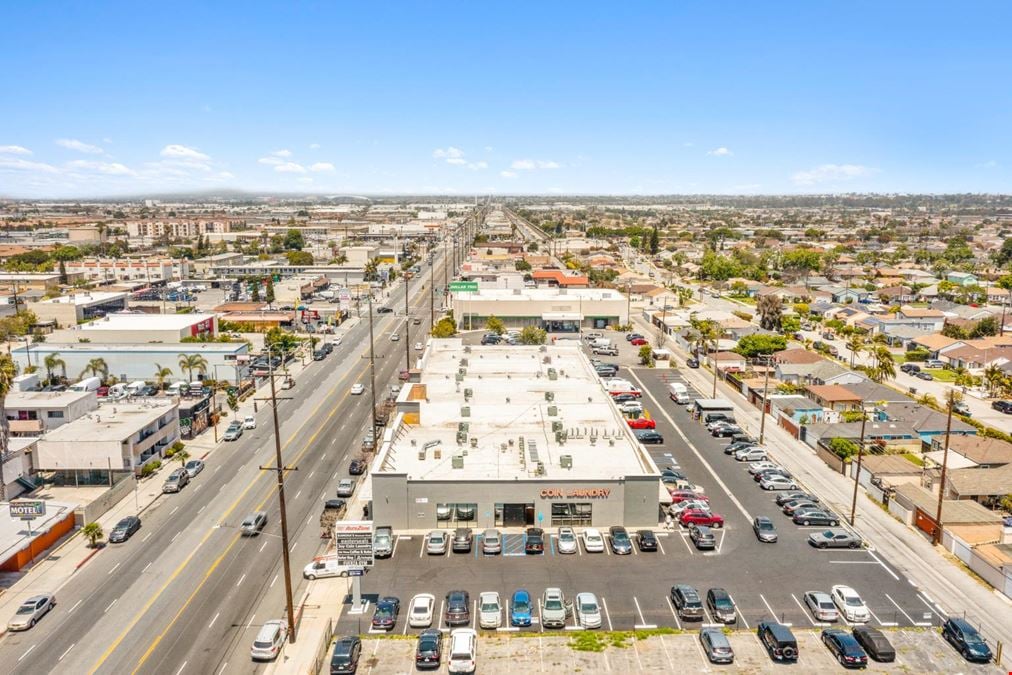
x,y
951,399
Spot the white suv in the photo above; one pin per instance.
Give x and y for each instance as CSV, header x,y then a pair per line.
x,y
489,610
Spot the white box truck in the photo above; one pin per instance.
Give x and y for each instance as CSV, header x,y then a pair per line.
x,y
679,393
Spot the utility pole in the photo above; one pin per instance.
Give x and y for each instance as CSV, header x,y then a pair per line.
x,y
432,293
280,470
860,458
762,410
372,373
937,536
407,326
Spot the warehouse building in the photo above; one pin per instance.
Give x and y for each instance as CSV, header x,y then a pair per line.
x,y
510,437
554,309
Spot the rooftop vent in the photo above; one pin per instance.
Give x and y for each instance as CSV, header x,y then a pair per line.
x,y
549,395
552,412
465,411
566,461
458,462
553,374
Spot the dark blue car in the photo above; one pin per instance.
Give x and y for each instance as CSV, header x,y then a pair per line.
x,y
845,648
966,640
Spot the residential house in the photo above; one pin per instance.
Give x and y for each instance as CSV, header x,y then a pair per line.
x,y
924,316
834,397
887,471
800,410
934,343
984,486
962,278
729,361
32,413
558,278
846,295
955,310
983,451
809,373
892,295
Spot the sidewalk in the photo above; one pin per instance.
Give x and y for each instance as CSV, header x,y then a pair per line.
x,y
316,616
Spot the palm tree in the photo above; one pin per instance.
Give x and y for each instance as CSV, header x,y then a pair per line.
x,y
160,375
93,532
95,367
855,343
52,362
885,366
8,371
192,362
993,374
770,308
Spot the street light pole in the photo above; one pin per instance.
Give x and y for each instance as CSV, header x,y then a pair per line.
x,y
432,293
372,373
407,326
280,469
937,536
860,457
762,410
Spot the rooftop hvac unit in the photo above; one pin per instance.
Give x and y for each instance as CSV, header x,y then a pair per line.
x,y
553,374
541,469
552,411
566,461
549,395
459,377
543,348
462,427
421,455
465,411
461,437
556,425
547,359
468,393
474,441
463,363
457,462
467,349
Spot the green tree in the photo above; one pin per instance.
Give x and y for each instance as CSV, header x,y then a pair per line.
x,y
522,266
802,261
160,376
294,241
843,448
1003,257
654,241
790,324
299,257
760,344
532,335
97,367
444,328
269,294
281,342
718,267
92,532
985,327
770,309
192,362
855,343
52,362
884,367
646,355
182,456
495,325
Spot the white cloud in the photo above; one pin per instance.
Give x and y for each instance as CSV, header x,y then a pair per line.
x,y
225,175
282,153
290,167
827,173
314,146
107,168
183,152
306,179
476,166
508,174
448,153
720,152
14,150
489,148
18,164
532,164
271,161
457,161
321,166
79,146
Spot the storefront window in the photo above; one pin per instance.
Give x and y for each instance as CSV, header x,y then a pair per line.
x,y
569,513
460,513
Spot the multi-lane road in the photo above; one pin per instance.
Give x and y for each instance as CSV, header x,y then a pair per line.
x,y
187,593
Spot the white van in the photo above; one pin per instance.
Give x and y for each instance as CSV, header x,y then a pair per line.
x,y
87,384
135,387
679,393
601,342
463,651
322,567
117,391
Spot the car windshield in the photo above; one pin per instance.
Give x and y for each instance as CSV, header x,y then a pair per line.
x,y
566,536
825,604
27,608
723,603
521,606
490,606
620,536
382,539
421,607
384,610
427,643
553,603
854,601
765,525
262,645
588,607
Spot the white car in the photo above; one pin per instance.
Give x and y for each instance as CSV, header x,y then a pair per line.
x,y
588,611
567,540
418,346
630,407
777,482
420,610
695,504
394,337
761,466
30,611
750,455
336,341
489,610
850,604
249,422
593,541
357,389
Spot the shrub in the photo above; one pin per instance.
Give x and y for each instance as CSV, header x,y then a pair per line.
x,y
743,315
177,446
843,448
917,355
150,468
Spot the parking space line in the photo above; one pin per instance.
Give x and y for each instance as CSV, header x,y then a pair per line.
x,y
636,651
880,621
808,614
903,611
706,661
684,536
425,543
660,547
924,598
884,566
440,624
708,621
642,625
607,614
541,625
474,614
607,544
393,551
738,610
678,623
773,614
721,542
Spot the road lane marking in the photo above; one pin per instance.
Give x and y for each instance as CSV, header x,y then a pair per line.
x,y
26,653
176,535
273,581
66,652
110,606
201,509
241,579
146,537
262,546
181,667
173,510
297,494
71,610
114,568
214,619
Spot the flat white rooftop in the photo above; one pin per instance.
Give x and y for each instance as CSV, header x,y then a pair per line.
x,y
524,294
44,399
510,419
141,321
113,421
133,348
85,299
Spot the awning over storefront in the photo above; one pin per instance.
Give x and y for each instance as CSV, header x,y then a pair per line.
x,y
561,316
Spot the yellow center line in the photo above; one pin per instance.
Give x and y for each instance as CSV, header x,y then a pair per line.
x,y
147,606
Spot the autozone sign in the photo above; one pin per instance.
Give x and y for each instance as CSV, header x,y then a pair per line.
x,y
579,493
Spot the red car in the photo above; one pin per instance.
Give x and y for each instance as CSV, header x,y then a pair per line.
x,y
678,496
637,342
642,423
697,517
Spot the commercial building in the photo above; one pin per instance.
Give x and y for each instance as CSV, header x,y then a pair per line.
x,y
138,328
554,309
226,361
510,437
31,413
22,281
69,310
148,270
115,438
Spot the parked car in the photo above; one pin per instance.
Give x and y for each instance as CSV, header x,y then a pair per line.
x,y
703,537
420,610
588,610
193,467
910,368
834,539
253,524
965,638
489,610
648,437
124,529
716,646
638,342
721,605
647,540
491,542
1002,407
725,430
632,336
778,640
642,423
924,376
785,497
593,542
795,505
687,602
765,530
346,487
733,447
692,362
630,407
463,651
699,517
520,608
387,610
357,389
269,640
678,496
383,542
606,351
429,649
357,467
850,604
458,608
437,542
620,542
462,539
821,606
345,655
815,517
176,481
875,643
752,454
553,608
234,431
777,482
534,541
844,647
31,611
567,540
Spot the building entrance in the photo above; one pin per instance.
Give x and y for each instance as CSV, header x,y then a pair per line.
x,y
514,515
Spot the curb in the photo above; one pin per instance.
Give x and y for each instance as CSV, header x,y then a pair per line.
x,y
86,559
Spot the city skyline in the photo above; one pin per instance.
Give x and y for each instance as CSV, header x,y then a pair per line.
x,y
115,101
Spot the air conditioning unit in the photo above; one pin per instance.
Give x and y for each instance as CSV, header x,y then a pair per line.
x,y
566,461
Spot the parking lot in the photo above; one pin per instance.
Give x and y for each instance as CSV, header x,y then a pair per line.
x,y
917,651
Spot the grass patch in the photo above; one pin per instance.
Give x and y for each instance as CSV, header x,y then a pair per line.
x,y
941,374
597,641
916,459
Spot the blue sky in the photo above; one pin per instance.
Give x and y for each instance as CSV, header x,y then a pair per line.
x,y
550,97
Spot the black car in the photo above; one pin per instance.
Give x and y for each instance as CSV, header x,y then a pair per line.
x,y
967,641
629,337
743,438
622,398
327,347
924,376
875,643
1003,407
647,540
687,602
319,355
778,640
429,650
490,339
692,362
344,657
387,610
807,518
785,497
910,368
357,467
721,605
462,538
738,445
726,431
844,647
765,530
649,437
384,310
458,608
534,542
124,529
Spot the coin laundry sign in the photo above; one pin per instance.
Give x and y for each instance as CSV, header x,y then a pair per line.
x,y
580,493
